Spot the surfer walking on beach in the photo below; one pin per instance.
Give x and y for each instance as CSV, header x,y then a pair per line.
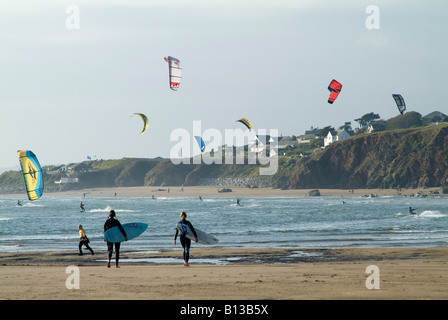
x,y
110,223
83,240
185,242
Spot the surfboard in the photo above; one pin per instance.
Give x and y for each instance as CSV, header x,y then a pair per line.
x,y
203,237
132,230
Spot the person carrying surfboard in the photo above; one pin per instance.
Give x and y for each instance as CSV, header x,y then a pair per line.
x,y
184,241
110,223
83,240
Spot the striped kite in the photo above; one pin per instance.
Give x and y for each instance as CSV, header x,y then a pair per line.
x,y
400,103
175,72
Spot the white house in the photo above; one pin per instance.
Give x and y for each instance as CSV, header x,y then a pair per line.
x,y
67,180
340,134
329,139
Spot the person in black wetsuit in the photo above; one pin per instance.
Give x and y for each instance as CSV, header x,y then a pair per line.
x,y
185,242
110,223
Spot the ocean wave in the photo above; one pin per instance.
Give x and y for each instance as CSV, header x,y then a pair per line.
x,y
432,214
38,237
108,208
31,204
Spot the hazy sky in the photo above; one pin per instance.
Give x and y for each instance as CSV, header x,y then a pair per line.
x,y
68,93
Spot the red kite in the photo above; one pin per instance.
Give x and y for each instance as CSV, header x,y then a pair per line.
x,y
334,87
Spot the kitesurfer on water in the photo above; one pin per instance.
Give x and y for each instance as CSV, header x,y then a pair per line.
x,y
411,211
184,241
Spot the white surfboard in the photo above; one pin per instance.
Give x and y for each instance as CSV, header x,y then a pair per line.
x,y
203,237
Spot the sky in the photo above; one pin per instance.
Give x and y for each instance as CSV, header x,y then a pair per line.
x,y
68,87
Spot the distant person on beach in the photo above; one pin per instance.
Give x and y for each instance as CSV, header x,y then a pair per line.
x,y
411,211
185,242
83,241
110,223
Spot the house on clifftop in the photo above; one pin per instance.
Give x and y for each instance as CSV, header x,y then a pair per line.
x,y
340,135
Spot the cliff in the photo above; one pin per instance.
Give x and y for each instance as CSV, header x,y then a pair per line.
x,y
403,158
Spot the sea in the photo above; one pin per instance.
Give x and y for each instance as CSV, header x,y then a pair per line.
x,y
51,223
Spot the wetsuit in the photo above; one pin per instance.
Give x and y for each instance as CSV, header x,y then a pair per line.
x,y
83,240
110,223
184,241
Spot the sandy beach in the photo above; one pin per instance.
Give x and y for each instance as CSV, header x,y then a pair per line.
x,y
403,273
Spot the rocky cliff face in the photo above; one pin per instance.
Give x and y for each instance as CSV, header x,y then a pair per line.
x,y
168,174
394,159
407,158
